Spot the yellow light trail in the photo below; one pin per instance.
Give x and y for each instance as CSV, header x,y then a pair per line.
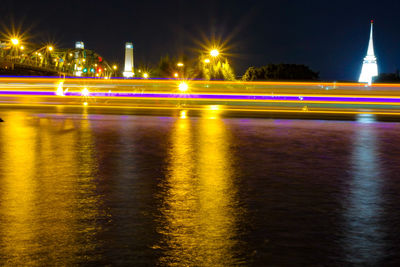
x,y
247,110
127,81
202,95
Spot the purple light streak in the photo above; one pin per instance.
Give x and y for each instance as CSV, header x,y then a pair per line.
x,y
213,96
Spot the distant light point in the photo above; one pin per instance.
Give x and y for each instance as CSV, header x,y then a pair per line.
x,y
214,53
183,87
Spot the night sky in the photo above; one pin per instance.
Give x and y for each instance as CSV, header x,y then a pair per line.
x,y
329,36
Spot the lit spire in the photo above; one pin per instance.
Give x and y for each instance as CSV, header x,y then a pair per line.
x,y
371,41
370,66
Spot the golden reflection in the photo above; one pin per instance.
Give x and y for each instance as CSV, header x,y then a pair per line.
x,y
199,207
18,189
49,201
218,211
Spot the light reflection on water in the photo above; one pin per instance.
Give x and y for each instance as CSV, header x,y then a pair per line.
x,y
199,205
42,180
364,239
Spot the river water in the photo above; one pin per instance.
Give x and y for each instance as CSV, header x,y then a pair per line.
x,y
89,189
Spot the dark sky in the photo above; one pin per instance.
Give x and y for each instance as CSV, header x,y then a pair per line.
x,y
328,35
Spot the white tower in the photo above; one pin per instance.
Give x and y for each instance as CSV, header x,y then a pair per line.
x,y
128,70
369,68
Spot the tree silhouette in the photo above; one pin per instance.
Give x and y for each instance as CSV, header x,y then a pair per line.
x,y
274,72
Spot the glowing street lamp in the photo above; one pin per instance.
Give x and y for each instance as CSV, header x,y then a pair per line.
x,y
207,60
14,41
145,75
176,75
180,64
214,52
22,47
115,67
50,48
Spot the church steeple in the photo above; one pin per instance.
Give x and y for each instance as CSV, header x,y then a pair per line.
x,y
370,67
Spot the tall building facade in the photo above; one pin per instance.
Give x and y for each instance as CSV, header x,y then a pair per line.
x,y
370,66
128,69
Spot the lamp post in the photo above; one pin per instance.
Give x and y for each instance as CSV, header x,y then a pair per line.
x,y
115,67
15,43
181,71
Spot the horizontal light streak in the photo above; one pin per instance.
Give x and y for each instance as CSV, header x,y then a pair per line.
x,y
174,81
289,98
350,112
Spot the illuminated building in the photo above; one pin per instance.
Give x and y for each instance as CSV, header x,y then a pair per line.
x,y
128,70
79,45
370,67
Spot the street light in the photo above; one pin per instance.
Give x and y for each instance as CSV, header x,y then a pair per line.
x,y
145,75
214,52
207,60
50,48
14,41
180,64
115,67
22,47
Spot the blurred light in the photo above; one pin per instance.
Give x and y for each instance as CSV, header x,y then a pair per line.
x,y
214,53
60,90
70,54
85,92
207,60
22,47
115,67
183,114
176,75
14,41
180,64
79,45
145,75
213,107
83,60
50,48
85,103
365,118
85,70
183,87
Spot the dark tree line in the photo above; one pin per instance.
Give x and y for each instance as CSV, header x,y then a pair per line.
x,y
388,78
274,72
